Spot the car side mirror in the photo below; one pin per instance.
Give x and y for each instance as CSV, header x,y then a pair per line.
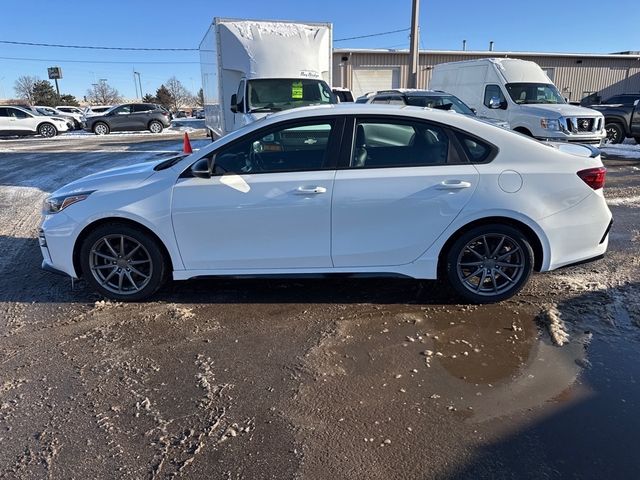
x,y
234,103
203,168
474,110
636,103
495,103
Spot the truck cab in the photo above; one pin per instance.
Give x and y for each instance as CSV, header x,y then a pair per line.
x,y
256,98
520,93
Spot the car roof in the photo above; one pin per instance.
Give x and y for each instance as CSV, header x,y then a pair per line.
x,y
417,92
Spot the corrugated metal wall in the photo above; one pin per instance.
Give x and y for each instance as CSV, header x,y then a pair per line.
x,y
575,76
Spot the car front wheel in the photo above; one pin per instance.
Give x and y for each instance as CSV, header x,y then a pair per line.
x,y
614,132
47,130
489,263
122,262
101,128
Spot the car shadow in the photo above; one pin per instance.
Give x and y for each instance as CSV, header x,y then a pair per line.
x,y
23,280
590,423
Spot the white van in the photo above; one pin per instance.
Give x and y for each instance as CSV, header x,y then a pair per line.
x,y
520,93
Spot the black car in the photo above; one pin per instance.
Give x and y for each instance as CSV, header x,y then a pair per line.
x,y
621,117
130,117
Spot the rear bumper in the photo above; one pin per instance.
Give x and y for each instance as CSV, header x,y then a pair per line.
x,y
578,234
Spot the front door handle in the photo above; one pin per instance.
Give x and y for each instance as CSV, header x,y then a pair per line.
x,y
309,190
453,185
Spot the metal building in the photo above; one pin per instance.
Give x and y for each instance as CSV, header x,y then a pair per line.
x,y
575,75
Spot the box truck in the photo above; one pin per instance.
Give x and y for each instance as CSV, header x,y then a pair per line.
x,y
520,93
251,68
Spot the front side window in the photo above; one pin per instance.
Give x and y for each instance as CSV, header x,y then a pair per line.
x,y
123,110
272,95
493,91
396,100
526,93
299,147
399,143
381,100
14,112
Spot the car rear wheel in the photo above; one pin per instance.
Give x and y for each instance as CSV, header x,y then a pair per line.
x,y
489,263
122,262
155,127
614,133
47,130
101,128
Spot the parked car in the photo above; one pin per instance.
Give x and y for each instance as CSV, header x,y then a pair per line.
x,y
70,109
94,110
19,121
625,99
74,121
520,93
200,113
180,114
621,120
342,94
431,99
129,117
340,189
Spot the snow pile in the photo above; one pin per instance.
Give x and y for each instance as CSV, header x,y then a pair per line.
x,y
628,149
550,318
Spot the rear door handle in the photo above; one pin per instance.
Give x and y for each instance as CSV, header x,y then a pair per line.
x,y
453,185
309,190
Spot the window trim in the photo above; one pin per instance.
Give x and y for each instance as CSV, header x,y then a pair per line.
x,y
333,146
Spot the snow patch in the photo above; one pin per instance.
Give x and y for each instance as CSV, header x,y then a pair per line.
x,y
551,319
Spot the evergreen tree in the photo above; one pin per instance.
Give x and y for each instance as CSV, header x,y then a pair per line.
x,y
164,97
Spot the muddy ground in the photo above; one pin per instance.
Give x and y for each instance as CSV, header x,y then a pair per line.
x,y
311,379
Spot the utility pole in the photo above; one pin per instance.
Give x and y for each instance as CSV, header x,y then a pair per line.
x,y
414,51
140,83
135,84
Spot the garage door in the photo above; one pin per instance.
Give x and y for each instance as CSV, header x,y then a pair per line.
x,y
366,80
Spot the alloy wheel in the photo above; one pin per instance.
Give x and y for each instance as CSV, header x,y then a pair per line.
x,y
120,264
490,264
47,130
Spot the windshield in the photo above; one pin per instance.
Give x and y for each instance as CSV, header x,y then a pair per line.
x,y
284,93
525,93
441,102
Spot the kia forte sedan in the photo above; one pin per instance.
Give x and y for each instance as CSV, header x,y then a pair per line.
x,y
359,189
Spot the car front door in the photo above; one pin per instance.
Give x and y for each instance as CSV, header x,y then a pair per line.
x,y
407,180
121,119
267,204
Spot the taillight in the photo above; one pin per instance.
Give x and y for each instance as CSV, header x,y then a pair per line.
x,y
594,177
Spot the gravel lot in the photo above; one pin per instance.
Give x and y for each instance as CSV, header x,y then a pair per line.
x,y
313,379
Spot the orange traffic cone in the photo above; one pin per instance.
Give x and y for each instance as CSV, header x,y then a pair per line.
x,y
187,144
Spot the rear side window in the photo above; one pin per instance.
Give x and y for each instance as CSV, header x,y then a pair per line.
x,y
398,143
476,150
144,107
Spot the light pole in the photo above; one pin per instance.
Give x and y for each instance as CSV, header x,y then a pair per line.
x,y
414,47
139,83
2,89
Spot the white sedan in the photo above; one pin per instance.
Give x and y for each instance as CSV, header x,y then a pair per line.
x,y
337,189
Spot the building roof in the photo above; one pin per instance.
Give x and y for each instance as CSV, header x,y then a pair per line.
x,y
631,55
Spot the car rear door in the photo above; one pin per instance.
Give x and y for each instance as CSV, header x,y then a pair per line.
x,y
21,121
141,115
404,182
268,204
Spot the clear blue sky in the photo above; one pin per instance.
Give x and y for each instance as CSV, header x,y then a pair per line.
x,y
517,26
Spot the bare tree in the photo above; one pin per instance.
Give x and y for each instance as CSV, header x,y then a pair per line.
x,y
102,93
25,88
180,96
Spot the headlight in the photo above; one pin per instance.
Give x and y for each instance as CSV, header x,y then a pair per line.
x,y
59,203
550,123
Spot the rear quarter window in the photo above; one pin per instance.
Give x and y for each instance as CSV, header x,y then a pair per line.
x,y
477,150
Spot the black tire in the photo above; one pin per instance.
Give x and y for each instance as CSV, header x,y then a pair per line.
x,y
495,280
615,133
155,126
147,259
101,128
47,130
637,139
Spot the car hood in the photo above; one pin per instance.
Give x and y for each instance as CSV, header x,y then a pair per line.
x,y
559,110
121,178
